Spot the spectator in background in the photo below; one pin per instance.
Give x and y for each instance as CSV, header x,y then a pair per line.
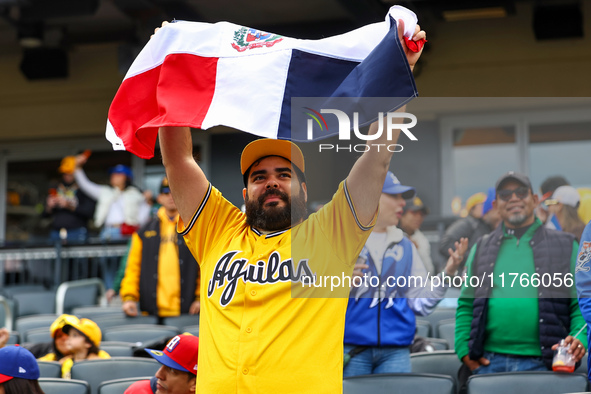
x,y
501,327
84,341
552,183
121,207
178,371
161,272
57,349
380,322
411,222
546,189
69,207
563,205
482,219
18,371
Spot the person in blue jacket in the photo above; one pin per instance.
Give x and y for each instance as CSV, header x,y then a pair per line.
x,y
583,283
390,287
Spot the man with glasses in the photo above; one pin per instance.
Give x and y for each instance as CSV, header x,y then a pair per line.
x,y
523,302
161,273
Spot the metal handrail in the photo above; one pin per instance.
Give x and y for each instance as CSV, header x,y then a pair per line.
x,y
7,314
60,294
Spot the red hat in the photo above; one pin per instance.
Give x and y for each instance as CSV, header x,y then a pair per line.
x,y
180,353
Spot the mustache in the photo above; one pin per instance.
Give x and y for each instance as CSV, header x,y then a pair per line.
x,y
273,192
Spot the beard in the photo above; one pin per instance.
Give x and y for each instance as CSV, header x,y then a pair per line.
x,y
517,220
274,218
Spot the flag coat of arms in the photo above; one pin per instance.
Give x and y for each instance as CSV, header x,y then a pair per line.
x,y
202,75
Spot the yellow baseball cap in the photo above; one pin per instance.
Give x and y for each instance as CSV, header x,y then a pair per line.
x,y
68,165
268,147
60,322
475,199
87,327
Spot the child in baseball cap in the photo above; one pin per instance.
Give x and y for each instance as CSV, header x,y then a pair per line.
x,y
58,347
18,371
178,357
84,340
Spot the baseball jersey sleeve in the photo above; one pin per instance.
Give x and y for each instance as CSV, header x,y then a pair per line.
x,y
340,227
214,218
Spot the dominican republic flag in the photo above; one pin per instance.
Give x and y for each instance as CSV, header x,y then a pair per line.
x,y
203,75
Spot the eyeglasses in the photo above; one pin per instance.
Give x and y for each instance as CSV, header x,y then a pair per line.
x,y
506,194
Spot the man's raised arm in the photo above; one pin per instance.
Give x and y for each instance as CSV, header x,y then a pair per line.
x,y
187,181
366,179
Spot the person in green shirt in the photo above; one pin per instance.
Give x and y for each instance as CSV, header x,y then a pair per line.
x,y
519,298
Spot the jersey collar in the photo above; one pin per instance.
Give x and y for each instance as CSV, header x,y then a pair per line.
x,y
270,235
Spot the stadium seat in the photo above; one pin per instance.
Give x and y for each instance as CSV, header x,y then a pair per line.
x,y
139,333
49,369
63,386
399,383
446,329
423,328
444,362
584,364
118,386
26,323
14,338
99,370
181,321
527,383
34,303
438,343
118,349
7,312
37,335
78,293
10,291
191,330
438,315
111,320
91,312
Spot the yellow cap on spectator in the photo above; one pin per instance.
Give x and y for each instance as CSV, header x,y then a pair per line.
x,y
474,200
87,327
60,322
